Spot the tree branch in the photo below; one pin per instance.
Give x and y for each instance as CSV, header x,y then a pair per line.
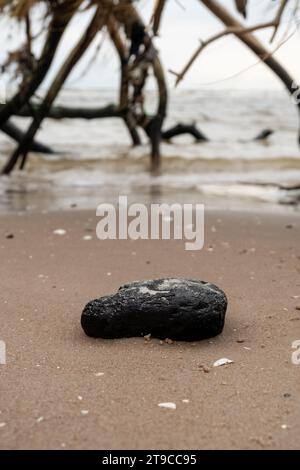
x,y
238,30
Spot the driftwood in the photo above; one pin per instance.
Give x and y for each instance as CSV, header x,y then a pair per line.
x,y
181,129
16,134
252,43
129,18
143,56
27,90
124,107
133,41
157,15
62,75
65,112
264,135
109,111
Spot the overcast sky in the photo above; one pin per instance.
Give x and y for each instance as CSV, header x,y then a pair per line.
x,y
222,65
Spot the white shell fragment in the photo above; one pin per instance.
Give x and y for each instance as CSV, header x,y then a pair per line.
x,y
169,405
59,231
222,362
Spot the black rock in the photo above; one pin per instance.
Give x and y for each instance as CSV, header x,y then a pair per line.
x,y
179,309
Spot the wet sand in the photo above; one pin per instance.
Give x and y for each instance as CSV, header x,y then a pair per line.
x,y
63,390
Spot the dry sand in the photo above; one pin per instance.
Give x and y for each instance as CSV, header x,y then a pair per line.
x,y
52,395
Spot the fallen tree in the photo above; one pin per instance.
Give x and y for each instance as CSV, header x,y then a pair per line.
x,y
133,41
61,76
61,13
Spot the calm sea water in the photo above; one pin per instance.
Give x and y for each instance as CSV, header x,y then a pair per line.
x,y
95,161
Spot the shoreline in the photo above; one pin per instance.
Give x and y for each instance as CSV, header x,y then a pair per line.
x,y
52,391
30,200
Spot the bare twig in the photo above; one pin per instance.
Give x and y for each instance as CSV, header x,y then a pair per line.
x,y
157,15
278,17
238,30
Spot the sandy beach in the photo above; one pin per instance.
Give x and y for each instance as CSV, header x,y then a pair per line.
x,y
62,390
116,122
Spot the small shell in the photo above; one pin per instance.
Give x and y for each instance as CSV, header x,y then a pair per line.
x,y
222,362
59,231
169,405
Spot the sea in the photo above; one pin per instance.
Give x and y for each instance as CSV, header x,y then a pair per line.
x,y
95,161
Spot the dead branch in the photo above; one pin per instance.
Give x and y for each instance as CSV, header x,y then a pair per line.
x,y
124,107
143,60
157,15
64,112
16,134
237,29
85,41
56,29
252,43
181,129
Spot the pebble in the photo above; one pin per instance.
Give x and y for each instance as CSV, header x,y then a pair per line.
x,y
204,368
172,308
169,341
